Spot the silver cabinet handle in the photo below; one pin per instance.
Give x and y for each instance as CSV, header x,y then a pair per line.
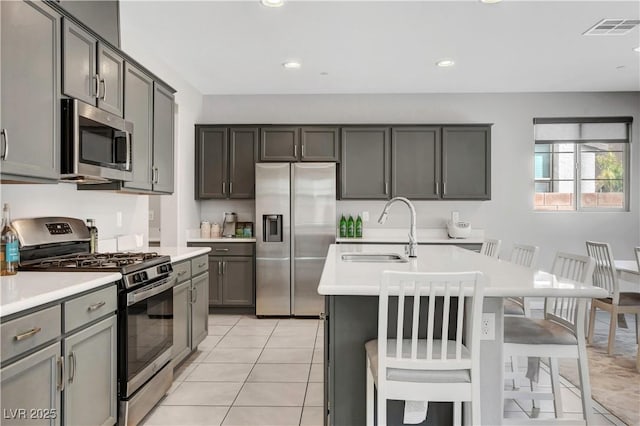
x,y
61,378
95,306
230,187
181,273
224,192
157,175
195,293
153,174
386,188
302,149
295,150
201,265
444,188
72,367
5,148
224,267
219,268
222,249
27,334
97,86
103,83
437,188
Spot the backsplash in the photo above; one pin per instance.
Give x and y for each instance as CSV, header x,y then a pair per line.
x,y
213,210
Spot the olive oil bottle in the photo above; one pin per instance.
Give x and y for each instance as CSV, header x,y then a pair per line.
x,y
10,253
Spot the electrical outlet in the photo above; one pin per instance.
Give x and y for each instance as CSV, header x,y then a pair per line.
x,y
365,216
488,326
151,214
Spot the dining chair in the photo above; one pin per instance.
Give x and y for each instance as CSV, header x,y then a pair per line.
x,y
438,366
605,276
523,255
560,334
491,247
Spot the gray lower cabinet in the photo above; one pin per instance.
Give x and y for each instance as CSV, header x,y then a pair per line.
x,y
234,284
415,162
32,387
30,87
365,163
92,72
225,161
163,129
466,162
90,394
190,306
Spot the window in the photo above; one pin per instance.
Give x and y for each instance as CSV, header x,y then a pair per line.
x,y
582,164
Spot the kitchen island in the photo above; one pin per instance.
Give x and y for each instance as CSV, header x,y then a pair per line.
x,y
351,290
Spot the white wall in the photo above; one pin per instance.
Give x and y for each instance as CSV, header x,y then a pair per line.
x,y
509,215
180,211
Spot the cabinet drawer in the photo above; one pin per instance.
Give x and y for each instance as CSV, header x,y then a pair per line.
x,y
89,307
29,331
182,270
232,249
199,265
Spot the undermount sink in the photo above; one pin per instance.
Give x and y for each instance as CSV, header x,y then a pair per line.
x,y
374,257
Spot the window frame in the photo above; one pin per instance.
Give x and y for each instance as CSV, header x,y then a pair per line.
x,y
577,161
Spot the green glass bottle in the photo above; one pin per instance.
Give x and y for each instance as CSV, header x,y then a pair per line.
x,y
350,227
359,227
343,227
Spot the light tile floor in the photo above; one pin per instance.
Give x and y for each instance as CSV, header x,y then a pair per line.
x,y
252,371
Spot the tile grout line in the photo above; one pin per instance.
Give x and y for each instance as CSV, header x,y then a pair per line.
x,y
306,391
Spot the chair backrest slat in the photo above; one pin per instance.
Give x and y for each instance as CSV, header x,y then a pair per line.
x,y
491,248
466,287
605,274
577,268
525,255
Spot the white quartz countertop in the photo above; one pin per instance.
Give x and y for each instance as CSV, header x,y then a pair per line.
x,y
221,240
401,235
178,253
30,289
502,279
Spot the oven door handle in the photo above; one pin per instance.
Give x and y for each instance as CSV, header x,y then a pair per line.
x,y
136,296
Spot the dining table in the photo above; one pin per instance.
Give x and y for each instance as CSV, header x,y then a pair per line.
x,y
629,271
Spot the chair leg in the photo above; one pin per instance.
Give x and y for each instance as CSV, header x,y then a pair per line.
x,y
457,413
370,394
613,322
476,412
637,328
585,384
592,323
514,371
382,409
555,387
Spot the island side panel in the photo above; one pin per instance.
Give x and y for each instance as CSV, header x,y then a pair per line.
x,y
352,321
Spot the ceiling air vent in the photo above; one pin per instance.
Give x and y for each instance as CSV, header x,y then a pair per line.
x,y
613,27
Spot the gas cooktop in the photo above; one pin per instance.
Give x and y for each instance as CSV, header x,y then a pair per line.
x,y
95,262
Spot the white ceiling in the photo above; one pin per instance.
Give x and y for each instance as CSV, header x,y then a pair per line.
x,y
238,47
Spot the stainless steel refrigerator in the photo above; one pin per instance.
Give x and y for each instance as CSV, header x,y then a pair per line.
x,y
295,224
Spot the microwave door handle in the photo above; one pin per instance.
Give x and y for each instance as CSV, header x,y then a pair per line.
x,y
128,148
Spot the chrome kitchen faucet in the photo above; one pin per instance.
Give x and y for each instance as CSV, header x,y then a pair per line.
x,y
410,249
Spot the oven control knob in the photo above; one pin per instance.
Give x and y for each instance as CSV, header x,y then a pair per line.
x,y
137,278
144,276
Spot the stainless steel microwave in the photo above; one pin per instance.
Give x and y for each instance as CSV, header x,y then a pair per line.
x,y
96,145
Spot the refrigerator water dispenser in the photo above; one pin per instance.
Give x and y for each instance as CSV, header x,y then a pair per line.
x,y
272,228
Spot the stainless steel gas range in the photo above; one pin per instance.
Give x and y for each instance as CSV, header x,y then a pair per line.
x,y
145,304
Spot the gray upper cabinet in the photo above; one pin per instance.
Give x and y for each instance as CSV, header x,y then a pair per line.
x,y
30,88
415,154
243,144
365,166
163,154
466,162
211,162
225,161
102,16
320,144
279,143
92,72
138,109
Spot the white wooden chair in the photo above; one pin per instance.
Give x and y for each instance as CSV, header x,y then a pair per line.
x,y
491,248
605,276
431,368
560,334
523,255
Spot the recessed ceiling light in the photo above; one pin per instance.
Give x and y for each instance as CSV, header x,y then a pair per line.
x,y
272,3
637,49
445,63
324,73
291,65
490,1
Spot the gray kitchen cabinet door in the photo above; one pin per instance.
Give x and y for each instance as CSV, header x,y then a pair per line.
x,y
80,77
365,163
163,154
181,322
32,383
243,148
211,162
111,87
466,163
279,143
138,109
29,90
415,162
215,280
199,309
90,395
238,286
320,144
102,16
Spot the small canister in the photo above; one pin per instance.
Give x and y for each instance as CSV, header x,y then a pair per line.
x,y
215,231
205,229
